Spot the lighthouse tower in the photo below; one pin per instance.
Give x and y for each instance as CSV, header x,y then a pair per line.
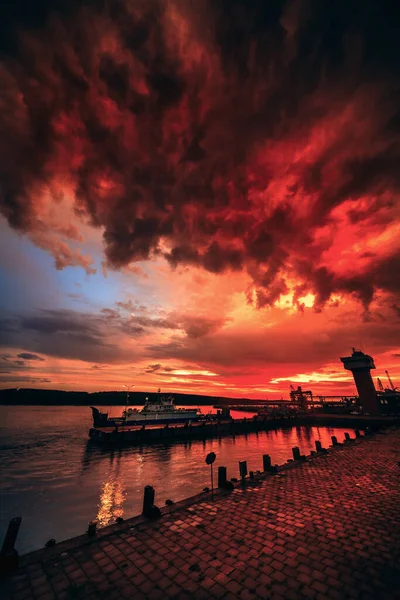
x,y
360,365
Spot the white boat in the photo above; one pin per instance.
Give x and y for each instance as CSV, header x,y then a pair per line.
x,y
161,410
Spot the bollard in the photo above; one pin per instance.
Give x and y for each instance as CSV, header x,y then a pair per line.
x,y
210,460
243,469
11,535
347,437
148,500
357,432
318,446
91,531
334,441
296,453
266,462
221,477
8,554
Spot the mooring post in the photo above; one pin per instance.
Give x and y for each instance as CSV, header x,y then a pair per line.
x,y
91,531
296,453
357,432
318,446
347,437
334,440
243,469
148,500
267,462
221,477
8,553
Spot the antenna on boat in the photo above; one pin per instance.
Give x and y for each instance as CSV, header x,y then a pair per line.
x,y
127,387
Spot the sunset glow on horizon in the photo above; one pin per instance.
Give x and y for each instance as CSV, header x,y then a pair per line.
x,y
202,200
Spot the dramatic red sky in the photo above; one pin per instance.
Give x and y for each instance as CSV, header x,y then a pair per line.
x,y
201,196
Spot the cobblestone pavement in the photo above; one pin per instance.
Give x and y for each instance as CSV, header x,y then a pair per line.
x,y
327,528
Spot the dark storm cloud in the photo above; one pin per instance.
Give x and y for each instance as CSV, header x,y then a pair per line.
x,y
23,379
153,368
89,337
51,322
199,327
29,356
232,350
176,349
165,371
160,323
139,322
382,274
189,130
193,326
12,364
131,306
62,333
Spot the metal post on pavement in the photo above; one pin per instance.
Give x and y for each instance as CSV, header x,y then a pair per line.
x,y
210,459
243,470
221,477
8,553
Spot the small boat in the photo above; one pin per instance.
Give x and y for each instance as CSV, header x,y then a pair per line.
x,y
158,411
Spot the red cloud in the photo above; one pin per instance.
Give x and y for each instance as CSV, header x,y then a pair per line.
x,y
241,137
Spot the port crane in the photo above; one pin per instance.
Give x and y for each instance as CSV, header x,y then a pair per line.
x,y
387,390
390,382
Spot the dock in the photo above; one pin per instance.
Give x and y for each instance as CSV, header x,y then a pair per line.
x,y
147,434
326,527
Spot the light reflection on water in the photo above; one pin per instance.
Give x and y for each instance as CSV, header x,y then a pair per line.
x,y
112,497
57,481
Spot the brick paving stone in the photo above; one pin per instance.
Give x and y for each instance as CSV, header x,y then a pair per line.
x,y
247,595
324,529
153,594
278,576
234,587
292,595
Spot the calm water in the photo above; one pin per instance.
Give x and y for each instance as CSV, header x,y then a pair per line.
x,y
57,482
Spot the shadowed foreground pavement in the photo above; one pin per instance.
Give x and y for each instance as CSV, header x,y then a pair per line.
x,y
327,528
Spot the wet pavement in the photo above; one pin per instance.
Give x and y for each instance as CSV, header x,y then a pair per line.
x,y
325,528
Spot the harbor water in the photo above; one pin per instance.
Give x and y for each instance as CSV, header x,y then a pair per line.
x,y
54,479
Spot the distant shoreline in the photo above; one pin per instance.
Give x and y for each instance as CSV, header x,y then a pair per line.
x,y
37,397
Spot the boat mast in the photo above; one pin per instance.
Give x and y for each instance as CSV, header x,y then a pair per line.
x,y
127,396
